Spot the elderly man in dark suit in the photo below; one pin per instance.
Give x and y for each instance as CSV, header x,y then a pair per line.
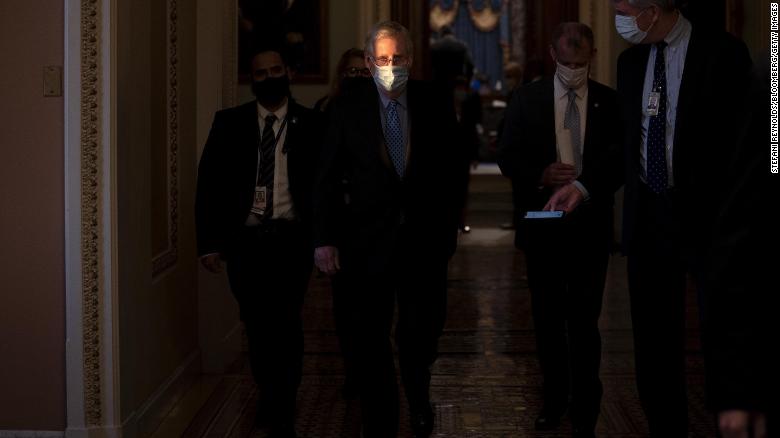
x,y
561,148
681,90
389,139
254,211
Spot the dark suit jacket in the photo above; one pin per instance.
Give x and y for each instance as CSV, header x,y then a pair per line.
x,y
228,169
366,230
528,146
715,78
739,323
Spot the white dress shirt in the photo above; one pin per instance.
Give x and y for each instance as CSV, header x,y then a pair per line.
x,y
282,208
564,147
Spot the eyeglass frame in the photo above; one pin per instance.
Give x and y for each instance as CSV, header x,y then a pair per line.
x,y
403,61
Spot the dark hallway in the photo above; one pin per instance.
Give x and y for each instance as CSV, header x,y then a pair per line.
x,y
486,381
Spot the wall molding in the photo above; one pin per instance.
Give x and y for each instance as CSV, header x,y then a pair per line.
x,y
167,259
91,357
151,414
91,208
229,53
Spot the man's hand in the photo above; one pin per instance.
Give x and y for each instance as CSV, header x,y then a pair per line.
x,y
212,262
326,258
558,174
740,424
567,198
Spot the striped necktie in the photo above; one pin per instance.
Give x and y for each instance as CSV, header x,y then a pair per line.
x,y
267,158
571,121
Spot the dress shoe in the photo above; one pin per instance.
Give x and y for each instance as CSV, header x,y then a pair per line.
x,y
549,419
422,422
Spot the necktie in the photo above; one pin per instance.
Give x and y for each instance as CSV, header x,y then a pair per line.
x,y
657,177
394,138
571,121
267,155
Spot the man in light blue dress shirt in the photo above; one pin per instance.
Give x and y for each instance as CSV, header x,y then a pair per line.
x,y
681,89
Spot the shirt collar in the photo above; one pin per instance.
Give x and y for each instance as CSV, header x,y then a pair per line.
x,y
280,113
562,92
386,100
680,30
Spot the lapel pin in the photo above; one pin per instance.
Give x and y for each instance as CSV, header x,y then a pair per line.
x,y
596,105
294,120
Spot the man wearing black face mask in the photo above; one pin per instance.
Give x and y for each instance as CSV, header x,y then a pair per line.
x,y
253,211
561,149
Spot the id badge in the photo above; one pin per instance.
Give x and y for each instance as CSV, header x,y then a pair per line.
x,y
259,204
653,102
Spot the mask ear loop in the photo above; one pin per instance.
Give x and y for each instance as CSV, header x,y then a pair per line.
x,y
651,24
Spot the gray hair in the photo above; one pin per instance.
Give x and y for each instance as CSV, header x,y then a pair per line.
x,y
576,34
664,5
388,29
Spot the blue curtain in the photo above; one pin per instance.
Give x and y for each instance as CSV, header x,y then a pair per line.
x,y
445,4
484,46
480,4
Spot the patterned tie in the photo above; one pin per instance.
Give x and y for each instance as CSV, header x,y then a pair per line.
x,y
571,121
394,138
657,177
267,155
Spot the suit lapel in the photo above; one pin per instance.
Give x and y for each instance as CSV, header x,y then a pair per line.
x,y
290,146
592,116
248,137
693,73
412,105
635,89
547,109
638,83
292,126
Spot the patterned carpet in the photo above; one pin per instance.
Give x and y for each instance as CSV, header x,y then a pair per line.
x,y
486,382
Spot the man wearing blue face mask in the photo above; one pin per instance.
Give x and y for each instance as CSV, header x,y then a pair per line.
x,y
681,90
390,138
561,148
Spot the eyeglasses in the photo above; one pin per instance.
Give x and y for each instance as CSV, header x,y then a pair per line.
x,y
383,61
355,71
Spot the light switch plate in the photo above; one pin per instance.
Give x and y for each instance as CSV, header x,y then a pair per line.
x,y
52,81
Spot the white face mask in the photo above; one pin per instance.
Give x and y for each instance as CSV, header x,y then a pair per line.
x,y
572,77
391,77
628,29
